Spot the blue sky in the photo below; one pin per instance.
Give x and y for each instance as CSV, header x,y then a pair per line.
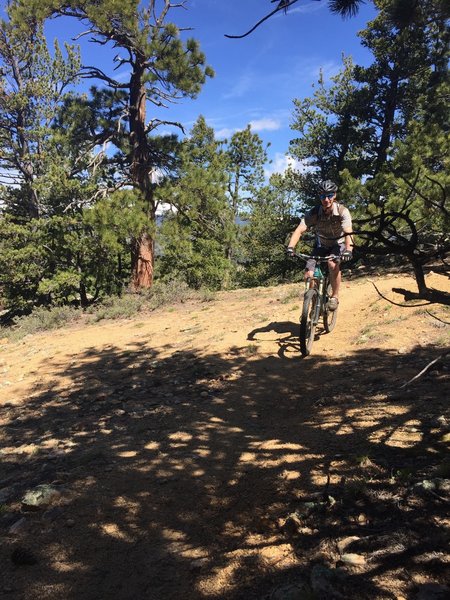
x,y
257,77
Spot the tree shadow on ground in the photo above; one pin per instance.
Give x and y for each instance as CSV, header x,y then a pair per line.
x,y
176,468
431,296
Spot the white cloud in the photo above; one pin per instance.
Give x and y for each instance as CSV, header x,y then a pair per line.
x,y
241,87
226,132
282,162
123,75
306,72
307,8
266,124
278,120
328,69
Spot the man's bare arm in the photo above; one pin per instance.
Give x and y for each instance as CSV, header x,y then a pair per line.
x,y
348,240
295,237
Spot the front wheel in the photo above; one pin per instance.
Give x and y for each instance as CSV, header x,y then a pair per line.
x,y
308,322
329,316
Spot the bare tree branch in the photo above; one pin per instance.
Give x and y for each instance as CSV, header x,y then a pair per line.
x,y
437,318
413,188
425,369
154,123
94,72
82,34
159,21
444,194
283,5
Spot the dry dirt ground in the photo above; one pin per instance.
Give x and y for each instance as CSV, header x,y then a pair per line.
x,y
196,455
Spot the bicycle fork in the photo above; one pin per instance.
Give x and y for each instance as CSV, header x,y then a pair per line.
x,y
318,306
317,285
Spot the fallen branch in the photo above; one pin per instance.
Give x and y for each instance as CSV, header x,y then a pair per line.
x,y
437,318
438,496
425,369
397,303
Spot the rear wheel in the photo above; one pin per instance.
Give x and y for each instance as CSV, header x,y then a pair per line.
x,y
329,316
307,324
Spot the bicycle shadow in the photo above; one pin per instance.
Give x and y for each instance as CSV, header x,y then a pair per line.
x,y
287,345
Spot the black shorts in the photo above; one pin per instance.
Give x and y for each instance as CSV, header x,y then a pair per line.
x,y
336,249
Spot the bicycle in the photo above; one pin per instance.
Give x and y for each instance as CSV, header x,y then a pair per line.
x,y
315,302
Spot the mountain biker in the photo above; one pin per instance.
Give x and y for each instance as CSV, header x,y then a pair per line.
x,y
333,226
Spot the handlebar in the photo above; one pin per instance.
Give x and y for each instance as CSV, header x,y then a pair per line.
x,y
318,258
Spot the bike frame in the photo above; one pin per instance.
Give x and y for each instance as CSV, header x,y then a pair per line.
x,y
316,291
319,283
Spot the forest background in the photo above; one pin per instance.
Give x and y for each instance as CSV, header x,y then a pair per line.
x,y
84,173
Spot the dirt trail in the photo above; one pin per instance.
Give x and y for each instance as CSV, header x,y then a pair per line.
x,y
181,441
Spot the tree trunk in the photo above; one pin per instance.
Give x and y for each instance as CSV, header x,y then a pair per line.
x,y
419,275
344,130
388,121
83,296
142,252
142,261
119,273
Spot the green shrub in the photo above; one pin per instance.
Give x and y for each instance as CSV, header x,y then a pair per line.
x,y
169,292
291,295
163,293
61,287
41,319
111,307
205,295
117,307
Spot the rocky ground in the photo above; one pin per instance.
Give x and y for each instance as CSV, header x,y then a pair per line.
x,y
192,452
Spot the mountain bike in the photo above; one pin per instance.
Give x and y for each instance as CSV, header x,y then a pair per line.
x,y
315,302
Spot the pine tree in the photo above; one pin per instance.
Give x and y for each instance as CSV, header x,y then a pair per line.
x,y
245,159
44,243
366,128
162,69
33,85
197,233
332,136
274,214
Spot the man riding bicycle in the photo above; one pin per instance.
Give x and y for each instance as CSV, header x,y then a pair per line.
x,y
333,226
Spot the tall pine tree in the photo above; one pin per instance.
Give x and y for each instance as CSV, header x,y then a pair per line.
x,y
162,69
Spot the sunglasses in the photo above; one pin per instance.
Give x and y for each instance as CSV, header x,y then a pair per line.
x,y
329,196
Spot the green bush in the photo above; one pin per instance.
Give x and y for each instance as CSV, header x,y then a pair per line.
x,y
62,286
41,319
111,307
169,292
115,307
163,293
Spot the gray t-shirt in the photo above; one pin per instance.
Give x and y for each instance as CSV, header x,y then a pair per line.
x,y
330,228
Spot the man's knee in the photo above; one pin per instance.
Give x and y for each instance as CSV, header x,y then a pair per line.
x,y
334,266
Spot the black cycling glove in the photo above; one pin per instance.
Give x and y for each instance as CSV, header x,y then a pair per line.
x,y
347,255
